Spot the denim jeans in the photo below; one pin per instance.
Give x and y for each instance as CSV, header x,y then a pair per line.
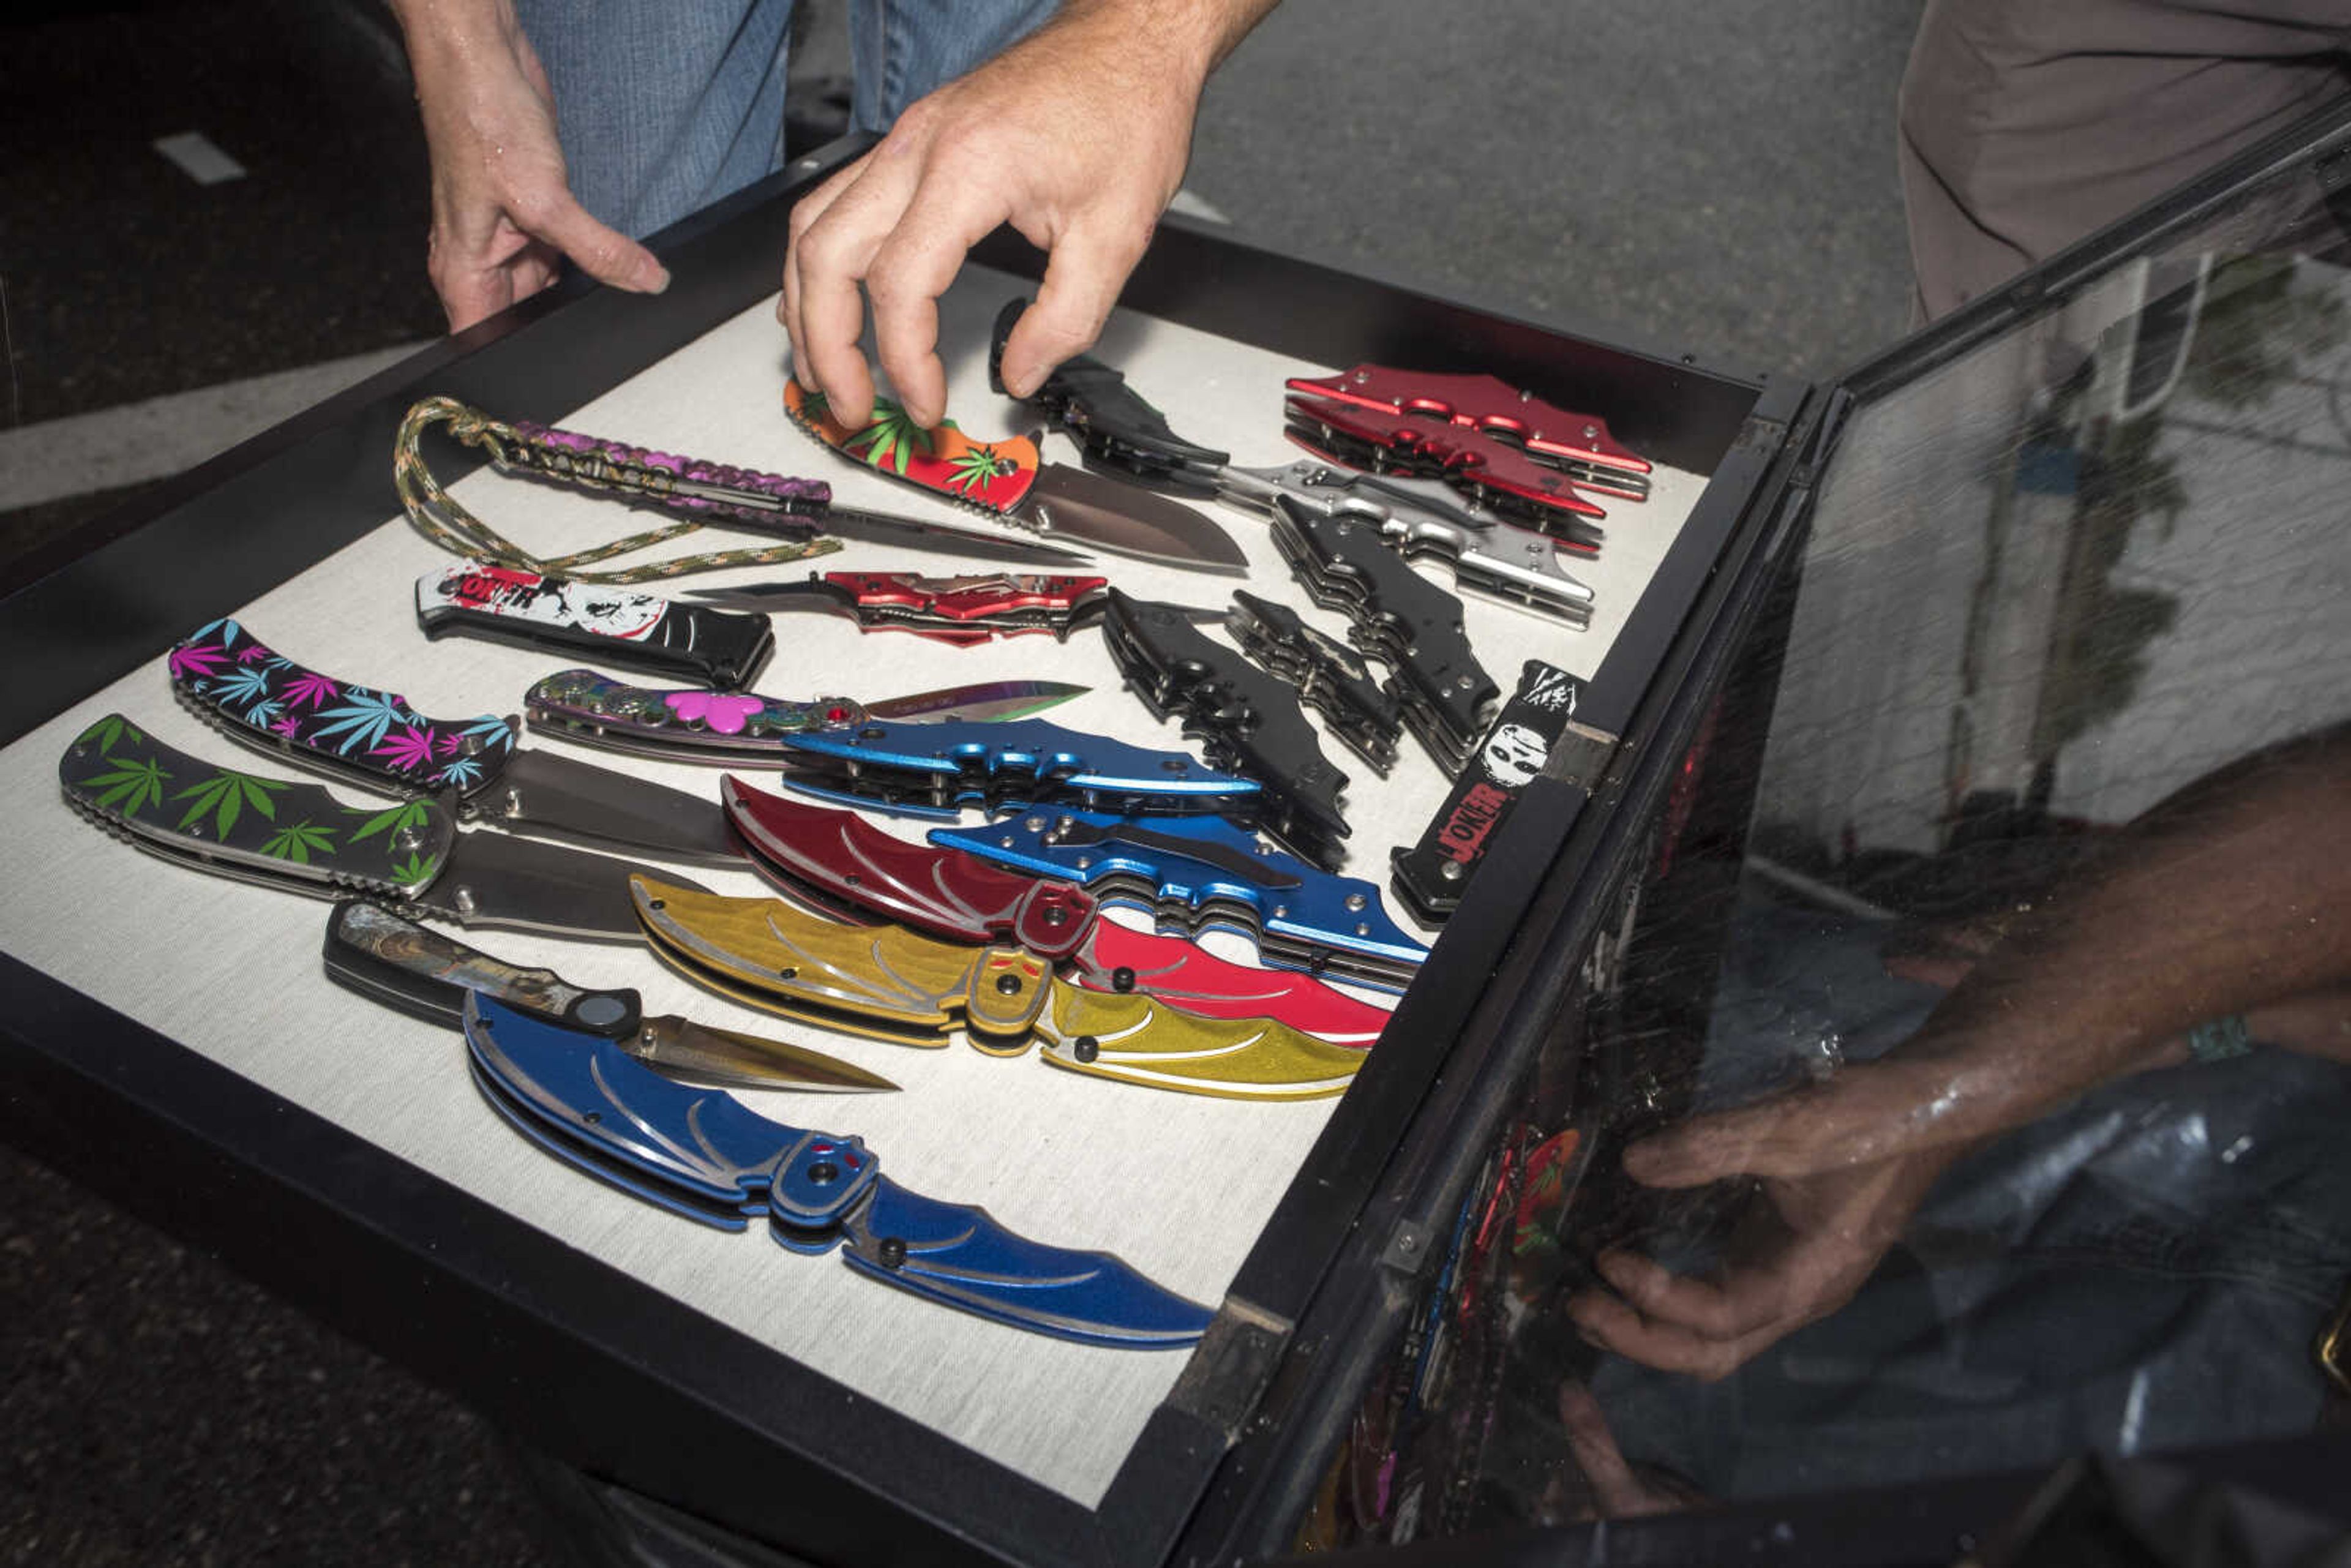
x,y
2144,1269
664,105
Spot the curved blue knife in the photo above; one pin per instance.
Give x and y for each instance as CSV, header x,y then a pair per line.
x,y
937,769
1194,873
703,1154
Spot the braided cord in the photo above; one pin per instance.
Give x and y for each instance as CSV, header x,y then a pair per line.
x,y
440,519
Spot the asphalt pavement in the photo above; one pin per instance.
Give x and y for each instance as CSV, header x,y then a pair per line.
x,y
1651,172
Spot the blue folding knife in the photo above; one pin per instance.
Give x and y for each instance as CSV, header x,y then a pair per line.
x,y
935,769
703,1154
1194,873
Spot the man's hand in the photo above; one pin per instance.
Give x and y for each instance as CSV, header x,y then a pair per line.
x,y
1077,136
504,217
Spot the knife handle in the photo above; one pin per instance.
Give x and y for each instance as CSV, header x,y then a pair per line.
x,y
1480,402
679,725
1109,419
996,602
263,699
1465,457
1399,617
1329,676
236,824
720,648
419,971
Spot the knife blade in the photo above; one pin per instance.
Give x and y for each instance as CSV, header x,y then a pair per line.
x,y
735,727
1244,719
844,861
703,1154
298,836
965,611
894,984
623,626
427,975
1009,479
938,769
1196,874
768,503
376,740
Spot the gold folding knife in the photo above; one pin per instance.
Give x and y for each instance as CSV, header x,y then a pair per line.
x,y
892,984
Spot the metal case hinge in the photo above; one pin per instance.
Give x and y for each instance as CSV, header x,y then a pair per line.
x,y
1229,1373
1580,756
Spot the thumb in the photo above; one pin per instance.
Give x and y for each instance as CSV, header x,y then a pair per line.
x,y
603,252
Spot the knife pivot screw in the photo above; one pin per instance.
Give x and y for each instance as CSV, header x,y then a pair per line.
x,y
409,838
824,1173
1088,1048
788,972
1177,765
465,902
891,1252
513,803
1008,985
592,1118
1450,871
872,732
1356,901
1122,979
661,904
1035,824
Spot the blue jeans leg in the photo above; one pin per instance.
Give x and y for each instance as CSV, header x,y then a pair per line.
x,y
901,50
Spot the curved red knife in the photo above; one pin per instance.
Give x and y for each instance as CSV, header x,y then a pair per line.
x,y
844,858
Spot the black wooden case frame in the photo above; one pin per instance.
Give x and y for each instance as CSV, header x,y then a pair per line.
x,y
581,1359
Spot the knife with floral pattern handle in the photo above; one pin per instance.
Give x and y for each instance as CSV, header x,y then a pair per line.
x,y
892,984
705,1155
844,861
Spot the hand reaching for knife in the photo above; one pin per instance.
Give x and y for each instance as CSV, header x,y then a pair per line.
x,y
1077,136
504,218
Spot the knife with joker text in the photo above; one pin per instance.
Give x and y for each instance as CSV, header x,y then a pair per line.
x,y
298,836
428,974
894,984
848,864
1198,873
703,1154
1009,479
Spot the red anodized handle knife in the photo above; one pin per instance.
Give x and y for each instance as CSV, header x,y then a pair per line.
x,y
844,859
964,610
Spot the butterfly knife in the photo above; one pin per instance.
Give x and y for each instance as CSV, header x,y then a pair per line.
x,y
1197,873
300,838
1245,718
703,1154
964,610
1476,433
766,502
937,771
734,726
894,984
1009,479
1415,517
844,863
422,973
616,625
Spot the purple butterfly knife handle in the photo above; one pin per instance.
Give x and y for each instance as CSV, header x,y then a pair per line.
x,y
685,484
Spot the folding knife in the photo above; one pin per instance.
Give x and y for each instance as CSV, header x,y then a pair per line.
x,y
421,972
1398,617
1431,876
1331,677
615,626
745,497
1197,873
1244,719
960,609
302,839
703,1154
375,738
844,862
938,769
1010,480
1093,404
892,984
735,727
1478,432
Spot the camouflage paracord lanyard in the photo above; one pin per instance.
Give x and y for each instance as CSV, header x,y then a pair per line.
x,y
590,464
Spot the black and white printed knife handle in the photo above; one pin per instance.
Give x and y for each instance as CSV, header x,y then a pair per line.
x,y
421,972
260,699
721,649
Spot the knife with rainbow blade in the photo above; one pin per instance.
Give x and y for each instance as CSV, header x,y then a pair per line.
x,y
702,1154
893,984
847,864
